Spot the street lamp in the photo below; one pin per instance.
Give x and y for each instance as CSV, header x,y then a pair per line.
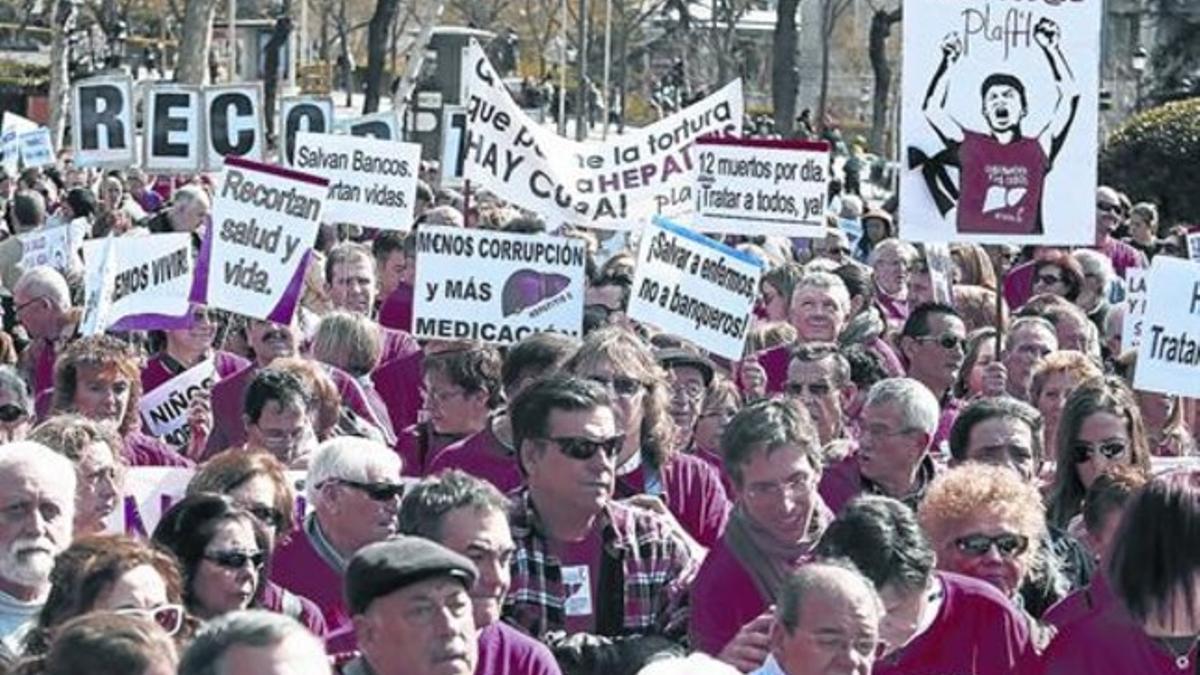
x,y
1138,64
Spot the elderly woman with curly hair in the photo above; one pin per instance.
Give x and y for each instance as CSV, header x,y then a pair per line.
x,y
111,573
95,449
649,464
1054,378
100,378
986,522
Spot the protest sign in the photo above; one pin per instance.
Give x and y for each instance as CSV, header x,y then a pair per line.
x,y
495,286
174,120
150,491
128,287
384,126
761,187
372,183
1193,246
1169,354
36,148
102,122
1135,308
454,145
12,126
999,121
164,409
694,287
234,123
14,122
57,247
301,113
264,222
941,272
613,184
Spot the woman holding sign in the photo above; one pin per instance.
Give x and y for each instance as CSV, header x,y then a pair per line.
x,y
186,347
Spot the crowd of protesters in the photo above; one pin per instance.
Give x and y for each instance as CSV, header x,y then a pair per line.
x,y
883,484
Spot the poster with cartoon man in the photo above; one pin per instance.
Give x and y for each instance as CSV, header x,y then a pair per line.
x,y
999,120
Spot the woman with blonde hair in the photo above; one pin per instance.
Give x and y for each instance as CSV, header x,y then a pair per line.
x,y
649,464
1054,378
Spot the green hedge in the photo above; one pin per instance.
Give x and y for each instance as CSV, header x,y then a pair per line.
x,y
1155,156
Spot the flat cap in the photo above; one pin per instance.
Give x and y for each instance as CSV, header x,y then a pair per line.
x,y
390,565
671,357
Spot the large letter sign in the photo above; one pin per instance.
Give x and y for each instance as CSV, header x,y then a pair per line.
x,y
102,121
302,113
234,126
173,135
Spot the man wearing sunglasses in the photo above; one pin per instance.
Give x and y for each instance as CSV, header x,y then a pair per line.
x,y
1109,216
470,517
585,563
819,377
354,492
42,304
933,342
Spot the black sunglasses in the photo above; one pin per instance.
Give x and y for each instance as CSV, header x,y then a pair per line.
x,y
978,545
11,412
945,341
1082,452
1108,208
578,447
236,560
380,492
622,386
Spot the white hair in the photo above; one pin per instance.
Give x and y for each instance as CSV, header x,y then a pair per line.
x,y
53,470
918,407
826,281
250,628
46,282
190,193
348,458
906,251
1097,263
1027,323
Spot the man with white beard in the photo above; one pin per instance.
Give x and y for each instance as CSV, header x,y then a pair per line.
x,y
37,507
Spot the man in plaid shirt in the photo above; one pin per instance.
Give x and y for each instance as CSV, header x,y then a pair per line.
x,y
583,562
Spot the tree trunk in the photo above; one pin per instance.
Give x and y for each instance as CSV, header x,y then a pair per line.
x,y
60,84
191,66
377,35
827,20
784,80
278,41
881,28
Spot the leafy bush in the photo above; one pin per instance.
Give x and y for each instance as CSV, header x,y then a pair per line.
x,y
1153,157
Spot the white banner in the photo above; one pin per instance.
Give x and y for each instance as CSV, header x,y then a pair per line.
x,y
495,286
301,113
614,184
1169,354
372,183
102,122
1135,308
37,150
233,123
57,247
694,287
174,123
999,121
164,409
150,491
150,275
761,187
264,220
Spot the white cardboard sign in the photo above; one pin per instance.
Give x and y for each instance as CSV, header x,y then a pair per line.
x,y
149,275
164,409
102,122
1169,354
37,150
1135,308
372,183
174,119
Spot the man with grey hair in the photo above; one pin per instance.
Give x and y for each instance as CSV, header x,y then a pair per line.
x,y
37,510
189,206
1029,340
898,424
353,489
834,603
254,642
820,307
42,303
1098,276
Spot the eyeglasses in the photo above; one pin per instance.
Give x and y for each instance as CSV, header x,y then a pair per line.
x,y
945,340
583,449
11,412
882,432
1049,279
621,386
21,307
794,487
813,388
1007,545
380,492
1083,452
168,617
267,515
236,560
1107,207
691,391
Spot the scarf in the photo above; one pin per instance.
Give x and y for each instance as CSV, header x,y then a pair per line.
x,y
768,560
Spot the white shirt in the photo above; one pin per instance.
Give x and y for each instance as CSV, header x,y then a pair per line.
x,y
770,667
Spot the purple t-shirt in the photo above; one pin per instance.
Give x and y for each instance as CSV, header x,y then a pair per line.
x,y
158,371
142,450
977,631
1110,643
1018,284
1001,185
272,599
399,385
482,455
1122,255
693,493
723,599
1092,599
298,567
504,650
396,311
